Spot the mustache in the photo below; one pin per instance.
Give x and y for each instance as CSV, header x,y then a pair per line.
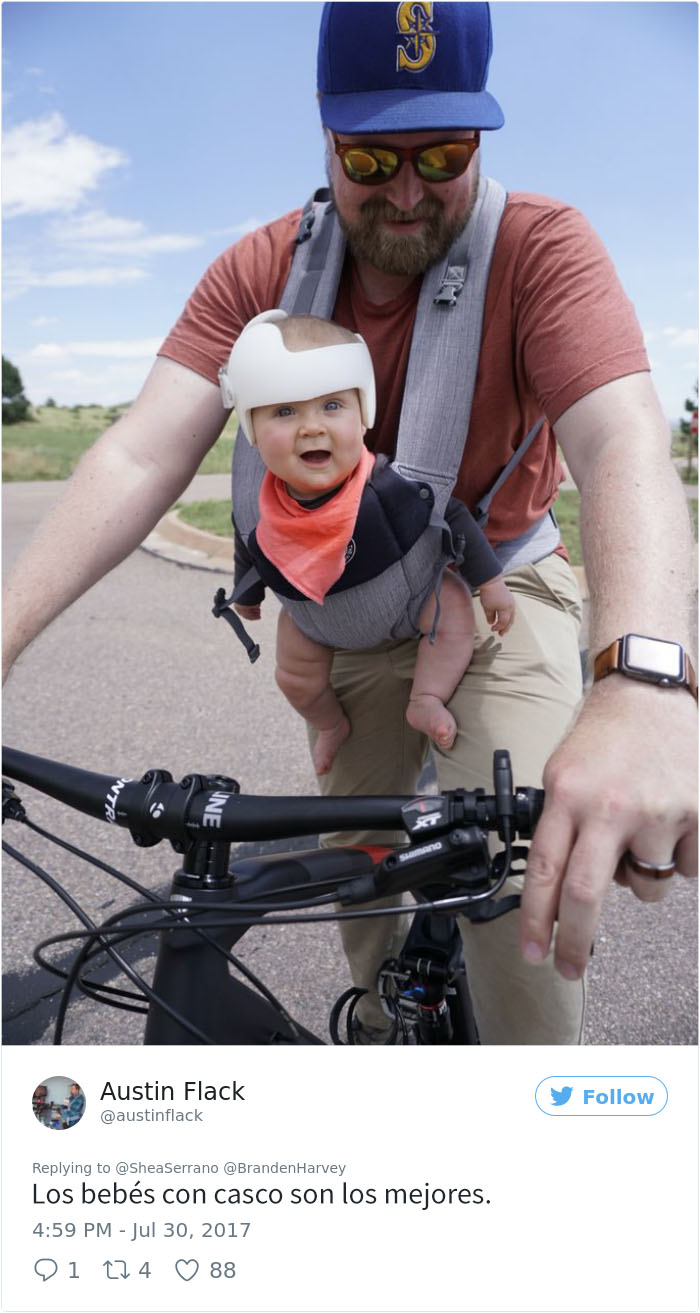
x,y
376,207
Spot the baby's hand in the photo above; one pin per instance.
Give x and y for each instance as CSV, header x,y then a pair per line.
x,y
247,612
498,604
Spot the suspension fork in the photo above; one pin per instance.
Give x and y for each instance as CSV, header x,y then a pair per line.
x,y
420,981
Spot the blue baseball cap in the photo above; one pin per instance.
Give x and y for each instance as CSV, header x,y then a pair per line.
x,y
400,68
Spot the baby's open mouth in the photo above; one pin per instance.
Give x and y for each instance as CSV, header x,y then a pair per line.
x,y
315,457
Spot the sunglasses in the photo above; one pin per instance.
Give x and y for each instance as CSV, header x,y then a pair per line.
x,y
372,165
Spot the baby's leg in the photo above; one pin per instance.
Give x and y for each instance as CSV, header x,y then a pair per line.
x,y
440,665
303,674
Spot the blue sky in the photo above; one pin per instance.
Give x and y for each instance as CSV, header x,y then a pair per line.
x,y
140,139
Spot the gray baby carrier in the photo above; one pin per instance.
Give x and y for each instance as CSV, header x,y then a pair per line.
x,y
434,419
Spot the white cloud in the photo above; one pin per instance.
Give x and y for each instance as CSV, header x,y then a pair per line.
x,y
107,383
90,248
238,229
42,321
110,235
47,351
104,276
136,349
682,337
48,168
672,336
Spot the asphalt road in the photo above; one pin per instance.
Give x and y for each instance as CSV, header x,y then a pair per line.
x,y
138,674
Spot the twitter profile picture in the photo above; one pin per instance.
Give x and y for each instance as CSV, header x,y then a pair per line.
x,y
58,1103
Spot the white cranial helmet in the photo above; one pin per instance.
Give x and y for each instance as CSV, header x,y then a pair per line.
x,y
261,371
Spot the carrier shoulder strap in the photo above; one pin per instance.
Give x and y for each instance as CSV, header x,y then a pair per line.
x,y
312,283
445,349
483,506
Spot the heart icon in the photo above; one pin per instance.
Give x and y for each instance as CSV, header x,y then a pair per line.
x,y
187,1268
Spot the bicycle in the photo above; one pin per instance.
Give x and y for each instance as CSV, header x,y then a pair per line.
x,y
214,900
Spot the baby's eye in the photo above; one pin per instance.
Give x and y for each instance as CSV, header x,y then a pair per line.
x,y
283,411
332,405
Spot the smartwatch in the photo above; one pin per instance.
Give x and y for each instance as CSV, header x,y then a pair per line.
x,y
650,659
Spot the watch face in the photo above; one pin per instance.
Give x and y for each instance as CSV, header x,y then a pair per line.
x,y
653,657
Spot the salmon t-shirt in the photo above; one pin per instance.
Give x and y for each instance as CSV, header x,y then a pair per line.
x,y
557,324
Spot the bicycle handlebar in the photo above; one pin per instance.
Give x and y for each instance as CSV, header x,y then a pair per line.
x,y
212,807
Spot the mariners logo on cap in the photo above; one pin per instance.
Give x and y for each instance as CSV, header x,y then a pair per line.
x,y
414,23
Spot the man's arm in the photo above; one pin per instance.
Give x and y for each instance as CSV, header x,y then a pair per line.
x,y
624,777
120,489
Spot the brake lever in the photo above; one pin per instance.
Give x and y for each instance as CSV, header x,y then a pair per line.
x,y
488,911
12,808
462,856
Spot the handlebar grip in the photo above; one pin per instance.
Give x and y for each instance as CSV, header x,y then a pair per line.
x,y
503,789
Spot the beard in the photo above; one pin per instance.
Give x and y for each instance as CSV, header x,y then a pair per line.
x,y
393,253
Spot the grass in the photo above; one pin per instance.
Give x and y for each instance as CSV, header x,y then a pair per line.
x,y
50,446
566,509
212,516
215,517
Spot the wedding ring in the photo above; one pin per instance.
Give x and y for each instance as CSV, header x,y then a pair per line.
x,y
662,872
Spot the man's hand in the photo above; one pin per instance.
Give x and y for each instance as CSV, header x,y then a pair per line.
x,y
610,788
624,778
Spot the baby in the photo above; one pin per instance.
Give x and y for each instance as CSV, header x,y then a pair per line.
x,y
318,470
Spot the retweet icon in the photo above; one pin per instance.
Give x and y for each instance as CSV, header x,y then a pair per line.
x,y
562,1096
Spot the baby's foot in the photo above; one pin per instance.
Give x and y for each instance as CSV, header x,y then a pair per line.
x,y
327,744
429,715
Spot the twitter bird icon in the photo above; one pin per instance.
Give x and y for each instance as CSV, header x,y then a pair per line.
x,y
562,1096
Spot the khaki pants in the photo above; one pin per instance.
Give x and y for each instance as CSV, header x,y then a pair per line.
x,y
520,692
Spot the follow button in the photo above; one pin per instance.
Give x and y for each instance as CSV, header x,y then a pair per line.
x,y
601,1096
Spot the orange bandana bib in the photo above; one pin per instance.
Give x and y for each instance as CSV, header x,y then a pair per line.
x,y
308,545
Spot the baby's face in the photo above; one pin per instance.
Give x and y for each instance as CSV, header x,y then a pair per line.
x,y
311,445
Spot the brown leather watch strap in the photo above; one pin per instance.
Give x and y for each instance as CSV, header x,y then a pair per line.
x,y
689,675
607,662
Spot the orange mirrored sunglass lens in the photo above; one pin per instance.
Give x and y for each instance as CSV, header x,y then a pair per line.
x,y
368,163
446,161
376,164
